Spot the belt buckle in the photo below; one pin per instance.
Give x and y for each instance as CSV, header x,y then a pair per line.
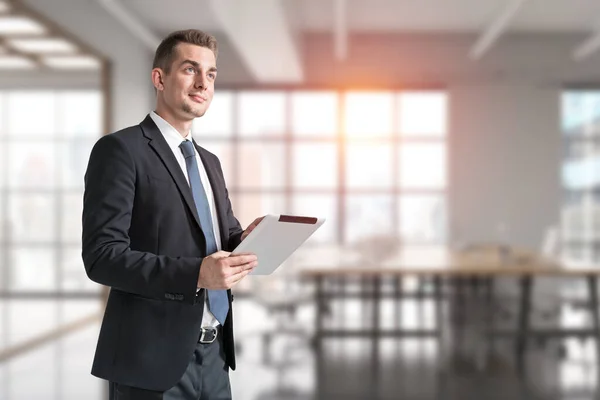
x,y
208,335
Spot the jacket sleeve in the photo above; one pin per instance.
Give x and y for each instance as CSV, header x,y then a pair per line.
x,y
107,208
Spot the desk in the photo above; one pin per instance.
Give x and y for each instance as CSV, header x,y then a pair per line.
x,y
442,263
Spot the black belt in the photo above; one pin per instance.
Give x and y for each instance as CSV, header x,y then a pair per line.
x,y
209,334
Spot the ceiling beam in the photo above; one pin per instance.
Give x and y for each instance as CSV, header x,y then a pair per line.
x,y
131,23
263,38
495,29
340,32
588,47
9,50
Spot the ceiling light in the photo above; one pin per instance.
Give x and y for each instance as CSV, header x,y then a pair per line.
x,y
42,45
16,62
10,25
73,62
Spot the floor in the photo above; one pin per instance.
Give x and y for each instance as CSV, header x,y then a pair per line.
x,y
408,369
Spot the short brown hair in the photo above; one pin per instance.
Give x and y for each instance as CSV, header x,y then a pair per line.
x,y
163,58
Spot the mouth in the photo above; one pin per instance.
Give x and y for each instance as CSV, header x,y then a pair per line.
x,y
197,98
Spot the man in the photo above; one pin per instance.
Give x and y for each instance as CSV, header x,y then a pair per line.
x,y
156,216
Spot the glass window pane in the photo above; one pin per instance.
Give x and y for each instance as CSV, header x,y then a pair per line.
x,y
31,113
3,267
572,218
261,165
368,114
74,277
75,154
33,268
322,206
32,164
423,219
422,113
583,173
423,166
3,159
223,150
581,113
80,113
315,166
315,113
72,208
3,118
262,113
32,217
218,120
368,216
3,221
369,165
248,207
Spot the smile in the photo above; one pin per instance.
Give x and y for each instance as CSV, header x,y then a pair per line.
x,y
198,99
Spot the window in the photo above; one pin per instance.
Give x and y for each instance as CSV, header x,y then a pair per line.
x,y
45,141
580,213
374,163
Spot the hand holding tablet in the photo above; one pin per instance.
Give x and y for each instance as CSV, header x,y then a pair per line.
x,y
275,238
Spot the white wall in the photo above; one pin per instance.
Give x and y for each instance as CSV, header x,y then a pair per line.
x,y
505,147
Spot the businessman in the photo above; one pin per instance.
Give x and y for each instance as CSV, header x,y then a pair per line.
x,y
157,229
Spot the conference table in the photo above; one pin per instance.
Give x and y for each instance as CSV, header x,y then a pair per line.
x,y
379,276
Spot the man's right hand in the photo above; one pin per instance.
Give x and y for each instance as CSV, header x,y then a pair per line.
x,y
221,271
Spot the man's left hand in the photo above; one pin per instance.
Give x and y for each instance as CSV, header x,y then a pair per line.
x,y
251,227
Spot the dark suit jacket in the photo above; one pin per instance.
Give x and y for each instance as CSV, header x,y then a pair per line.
x,y
142,237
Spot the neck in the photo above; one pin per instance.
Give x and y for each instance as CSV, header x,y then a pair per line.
x,y
183,126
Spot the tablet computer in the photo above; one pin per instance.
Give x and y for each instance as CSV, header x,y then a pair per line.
x,y
275,238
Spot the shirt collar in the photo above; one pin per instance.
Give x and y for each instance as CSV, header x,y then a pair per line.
x,y
170,134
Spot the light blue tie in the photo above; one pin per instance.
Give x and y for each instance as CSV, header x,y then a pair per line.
x,y
218,303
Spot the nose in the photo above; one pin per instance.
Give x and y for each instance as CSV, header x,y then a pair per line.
x,y
200,82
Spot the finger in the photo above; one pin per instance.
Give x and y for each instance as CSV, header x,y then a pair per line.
x,y
254,223
233,271
236,278
220,254
239,259
257,221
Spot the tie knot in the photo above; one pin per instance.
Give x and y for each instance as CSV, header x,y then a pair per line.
x,y
187,148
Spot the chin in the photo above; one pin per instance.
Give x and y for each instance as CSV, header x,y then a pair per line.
x,y
199,113
195,112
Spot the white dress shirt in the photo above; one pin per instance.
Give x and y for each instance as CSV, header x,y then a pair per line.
x,y
174,139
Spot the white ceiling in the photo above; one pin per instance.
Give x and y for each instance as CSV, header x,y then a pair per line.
x,y
388,15
166,16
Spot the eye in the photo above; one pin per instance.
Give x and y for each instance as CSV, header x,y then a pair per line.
x,y
191,69
212,75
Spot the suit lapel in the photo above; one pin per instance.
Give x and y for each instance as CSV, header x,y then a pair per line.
x,y
162,149
218,192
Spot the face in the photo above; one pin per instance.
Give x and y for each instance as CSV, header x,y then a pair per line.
x,y
187,90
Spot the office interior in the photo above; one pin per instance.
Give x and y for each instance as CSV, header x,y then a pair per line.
x,y
452,146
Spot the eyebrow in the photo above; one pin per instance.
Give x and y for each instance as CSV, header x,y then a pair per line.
x,y
197,65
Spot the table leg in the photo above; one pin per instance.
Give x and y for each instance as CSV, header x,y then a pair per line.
x,y
318,338
489,317
375,337
461,314
439,316
593,293
524,320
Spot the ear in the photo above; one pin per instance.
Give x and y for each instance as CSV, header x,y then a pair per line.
x,y
157,79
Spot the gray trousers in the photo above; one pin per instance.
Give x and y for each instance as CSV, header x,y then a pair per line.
x,y
206,378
